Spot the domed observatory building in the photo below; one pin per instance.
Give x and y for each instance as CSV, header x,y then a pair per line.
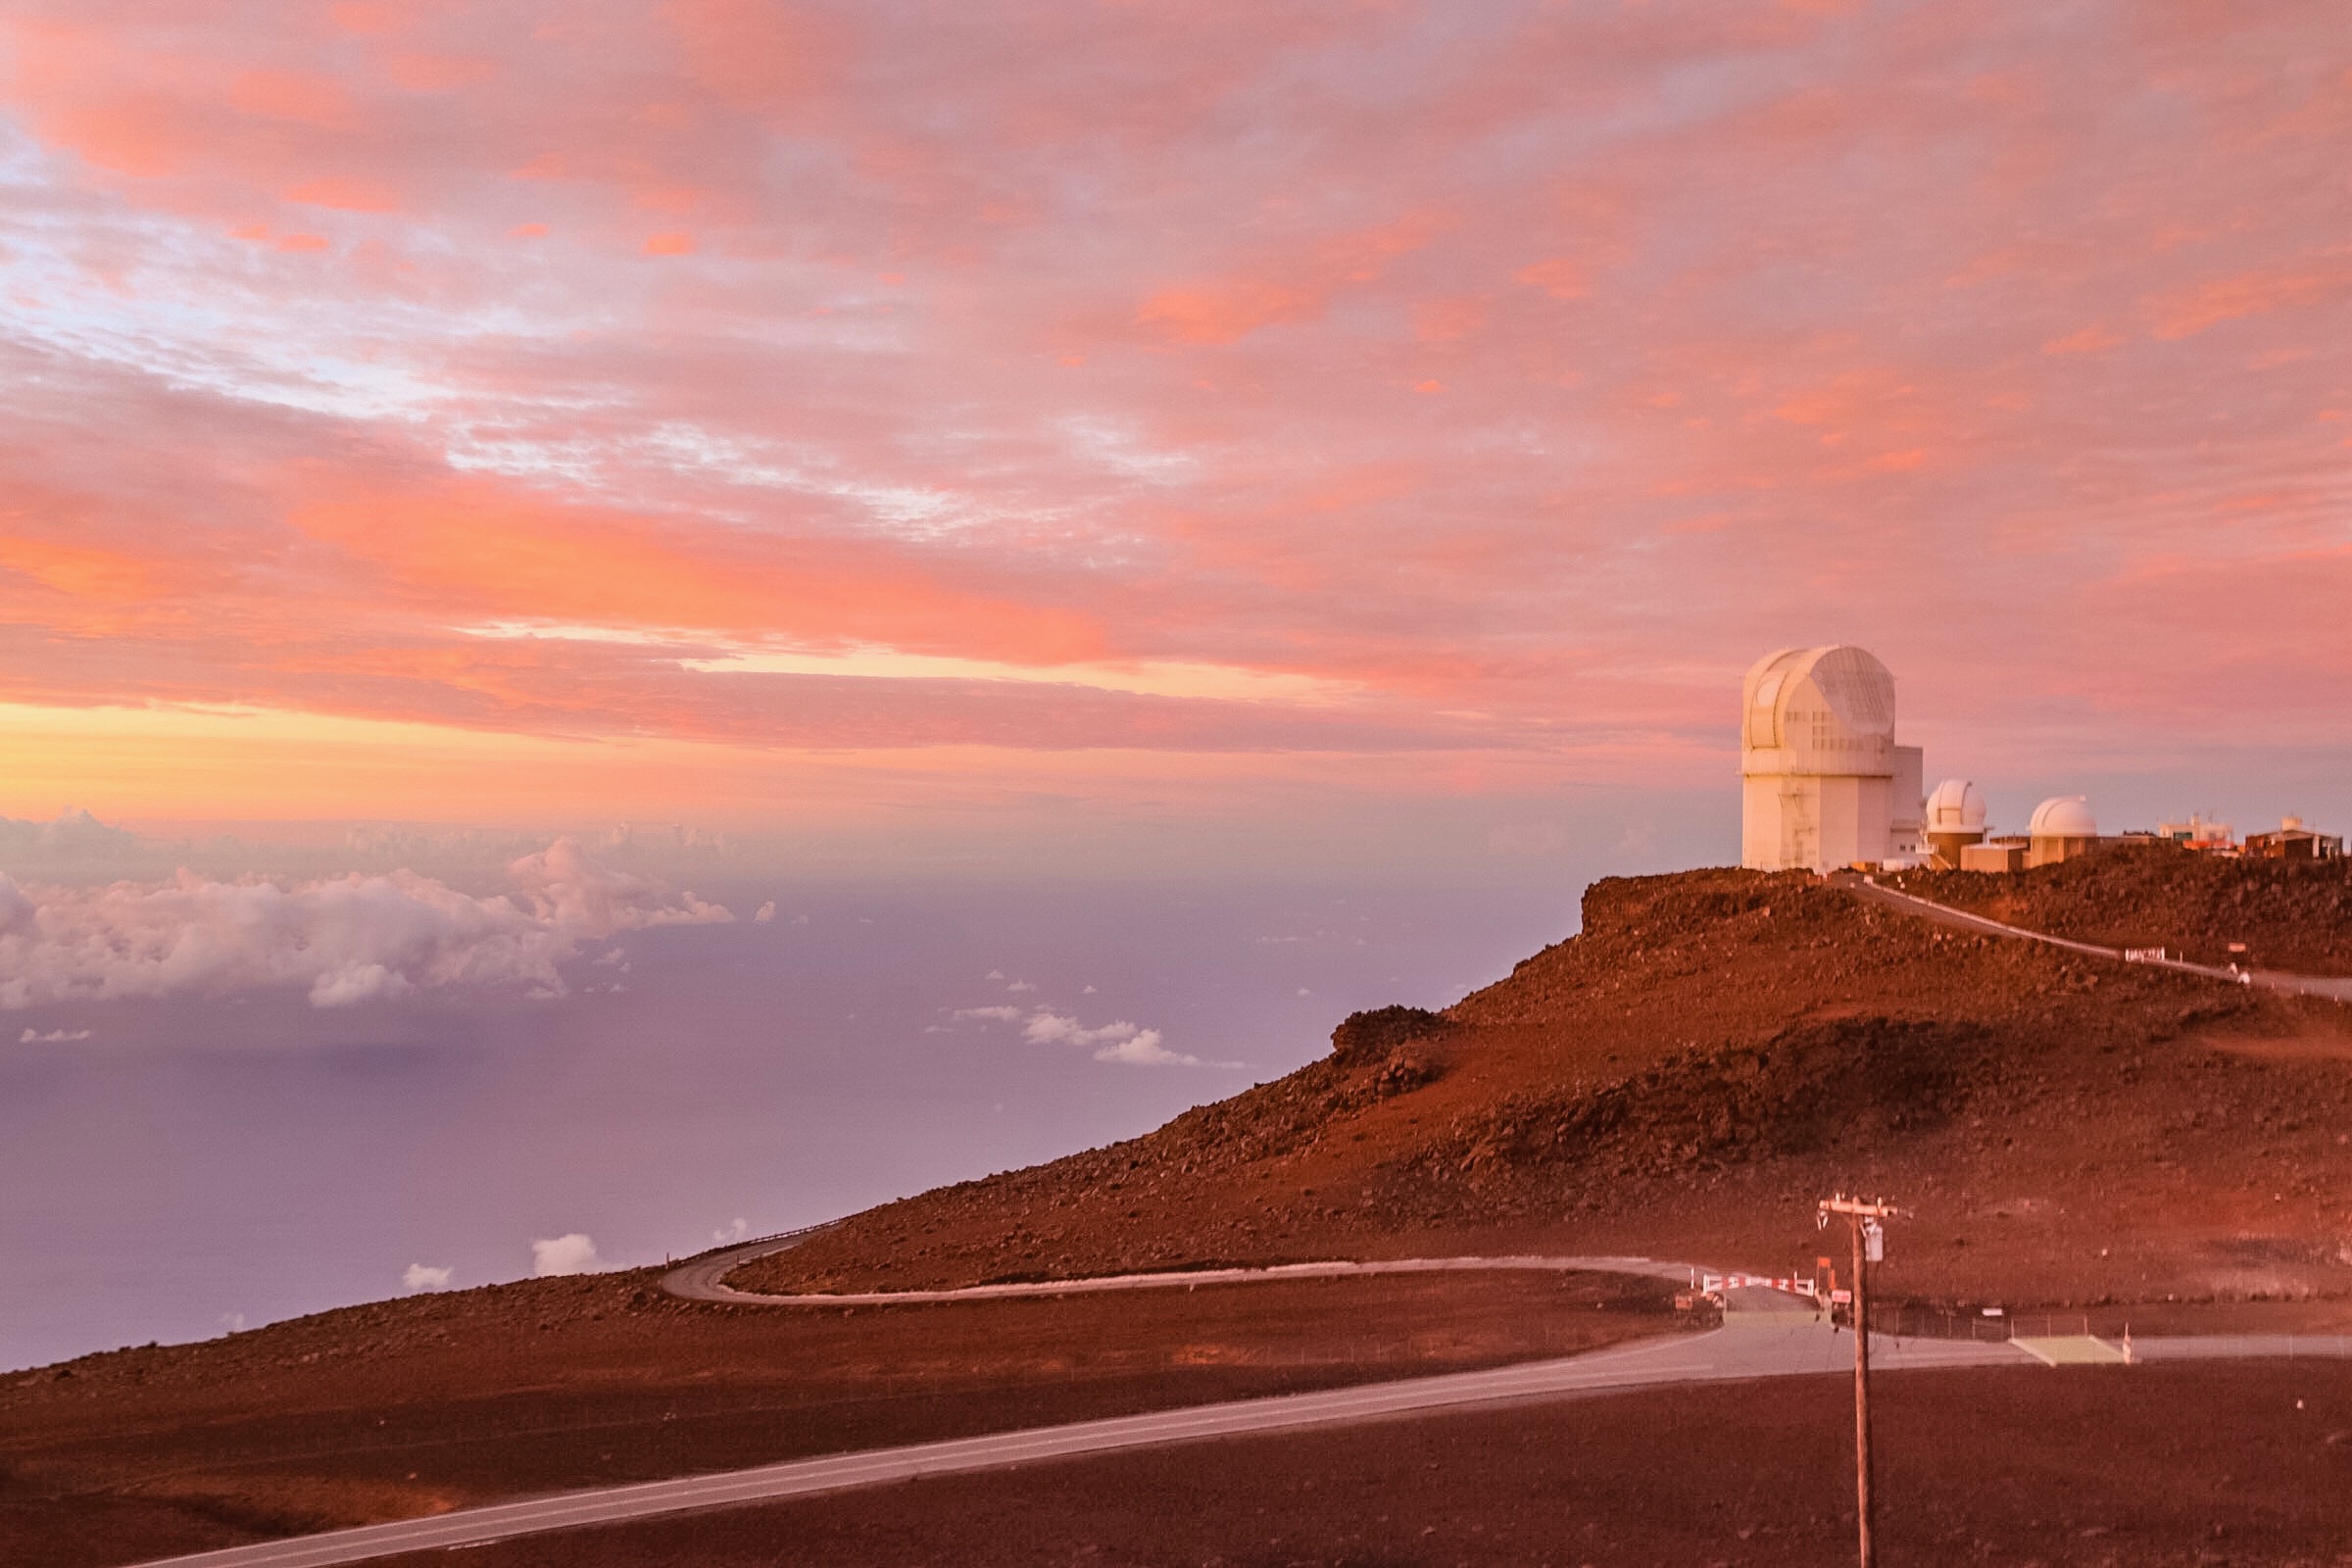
x,y
1955,820
1823,785
2061,829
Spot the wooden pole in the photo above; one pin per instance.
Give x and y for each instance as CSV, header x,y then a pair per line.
x,y
1862,1497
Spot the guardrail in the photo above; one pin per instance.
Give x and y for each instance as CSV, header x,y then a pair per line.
x,y
760,1241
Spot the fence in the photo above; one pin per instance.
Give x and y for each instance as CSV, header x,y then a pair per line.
x,y
1913,1320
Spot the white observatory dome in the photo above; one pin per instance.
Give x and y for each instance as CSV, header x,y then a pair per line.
x,y
1844,696
1821,783
1956,807
2063,817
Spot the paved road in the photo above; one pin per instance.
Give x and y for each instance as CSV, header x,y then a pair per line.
x,y
704,1279
1759,1338
1763,1336
2340,989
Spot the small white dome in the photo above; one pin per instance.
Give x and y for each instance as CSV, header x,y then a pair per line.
x,y
2063,817
1956,807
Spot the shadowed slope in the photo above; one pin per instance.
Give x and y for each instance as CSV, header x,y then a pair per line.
x,y
1716,1048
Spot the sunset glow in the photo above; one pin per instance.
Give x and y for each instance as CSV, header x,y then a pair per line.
x,y
402,397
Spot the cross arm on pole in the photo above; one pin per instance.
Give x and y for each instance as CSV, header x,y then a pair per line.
x,y
1863,1216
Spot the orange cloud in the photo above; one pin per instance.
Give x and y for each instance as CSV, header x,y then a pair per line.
x,y
1713,356
1288,289
1563,277
348,195
2089,340
1226,312
304,97
478,550
128,135
2254,293
83,570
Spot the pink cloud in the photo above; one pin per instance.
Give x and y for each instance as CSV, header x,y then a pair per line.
x,y
1506,376
2193,309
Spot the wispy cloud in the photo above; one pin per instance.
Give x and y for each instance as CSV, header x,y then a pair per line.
x,y
1118,1040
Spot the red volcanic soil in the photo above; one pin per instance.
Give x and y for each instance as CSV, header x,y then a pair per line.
x,y
2090,1468
1719,1049
1682,1080
435,1403
2290,914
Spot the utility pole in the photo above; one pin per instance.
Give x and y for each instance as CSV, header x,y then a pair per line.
x,y
1863,1217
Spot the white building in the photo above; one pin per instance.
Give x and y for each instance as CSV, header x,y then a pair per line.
x,y
2062,829
1955,820
1822,782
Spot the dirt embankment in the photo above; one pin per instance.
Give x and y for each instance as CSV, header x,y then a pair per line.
x,y
2288,915
1715,1050
2150,1467
421,1405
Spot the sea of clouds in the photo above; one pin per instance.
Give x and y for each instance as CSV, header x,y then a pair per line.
x,y
344,940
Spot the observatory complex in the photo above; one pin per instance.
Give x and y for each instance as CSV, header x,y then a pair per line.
x,y
1824,786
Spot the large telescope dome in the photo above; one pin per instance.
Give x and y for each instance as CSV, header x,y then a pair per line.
x,y
1840,693
1822,784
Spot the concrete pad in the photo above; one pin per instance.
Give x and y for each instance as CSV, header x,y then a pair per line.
x,y
2072,1350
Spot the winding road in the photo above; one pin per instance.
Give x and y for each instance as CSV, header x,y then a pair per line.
x,y
704,1278
1764,1335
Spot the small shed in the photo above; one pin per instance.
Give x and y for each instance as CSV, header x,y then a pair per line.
x,y
2294,842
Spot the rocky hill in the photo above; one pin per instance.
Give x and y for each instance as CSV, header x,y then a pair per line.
x,y
1717,1048
2288,914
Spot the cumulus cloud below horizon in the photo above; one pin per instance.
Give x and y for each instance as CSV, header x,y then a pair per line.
x,y
344,940
569,1254
1118,1040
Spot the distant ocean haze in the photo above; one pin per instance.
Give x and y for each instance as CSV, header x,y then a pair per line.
x,y
196,1163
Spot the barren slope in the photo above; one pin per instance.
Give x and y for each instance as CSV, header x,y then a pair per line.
x,y
1719,1048
432,1403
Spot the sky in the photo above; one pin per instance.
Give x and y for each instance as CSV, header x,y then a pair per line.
x,y
1139,436
179,1161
